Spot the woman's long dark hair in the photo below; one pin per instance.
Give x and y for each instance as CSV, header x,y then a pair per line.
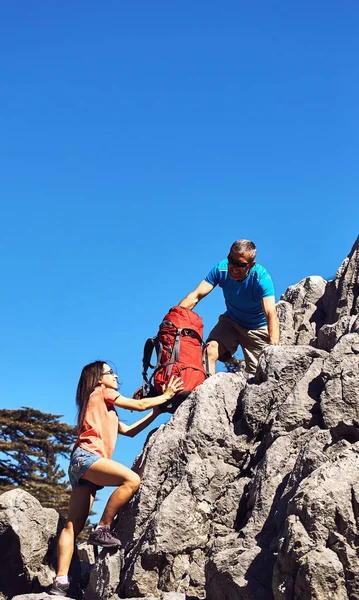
x,y
89,379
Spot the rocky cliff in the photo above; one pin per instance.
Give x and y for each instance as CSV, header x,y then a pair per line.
x,y
251,490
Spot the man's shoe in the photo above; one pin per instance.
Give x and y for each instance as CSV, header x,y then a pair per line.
x,y
235,365
102,536
59,589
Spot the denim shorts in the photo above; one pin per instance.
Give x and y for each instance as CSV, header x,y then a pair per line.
x,y
80,461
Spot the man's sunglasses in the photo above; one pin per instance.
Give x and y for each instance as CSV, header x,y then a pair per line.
x,y
237,263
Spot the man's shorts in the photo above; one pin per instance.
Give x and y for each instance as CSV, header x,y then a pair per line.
x,y
230,335
80,461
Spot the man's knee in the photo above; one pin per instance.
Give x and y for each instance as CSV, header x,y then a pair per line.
x,y
213,350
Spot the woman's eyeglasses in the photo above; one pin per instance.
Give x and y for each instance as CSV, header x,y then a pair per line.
x,y
109,372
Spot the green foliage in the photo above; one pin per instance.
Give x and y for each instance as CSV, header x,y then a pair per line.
x,y
30,442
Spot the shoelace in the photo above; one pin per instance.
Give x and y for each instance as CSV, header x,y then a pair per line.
x,y
108,534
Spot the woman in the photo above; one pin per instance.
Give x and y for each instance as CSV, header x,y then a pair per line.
x,y
91,467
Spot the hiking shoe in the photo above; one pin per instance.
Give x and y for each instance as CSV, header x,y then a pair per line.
x,y
102,536
59,589
235,365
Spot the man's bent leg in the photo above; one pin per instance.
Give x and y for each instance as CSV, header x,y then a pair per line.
x,y
222,341
252,346
213,353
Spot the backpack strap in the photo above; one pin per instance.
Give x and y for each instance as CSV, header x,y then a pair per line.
x,y
205,356
159,348
193,333
150,344
175,351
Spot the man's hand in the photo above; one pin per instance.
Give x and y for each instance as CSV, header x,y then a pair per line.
x,y
270,311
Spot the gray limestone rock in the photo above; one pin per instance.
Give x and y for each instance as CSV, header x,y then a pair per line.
x,y
86,553
187,467
318,551
216,516
308,291
285,315
340,397
41,596
104,574
86,556
300,311
251,490
341,301
27,543
285,391
163,596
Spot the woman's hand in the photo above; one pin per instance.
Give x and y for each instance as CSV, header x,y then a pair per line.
x,y
174,386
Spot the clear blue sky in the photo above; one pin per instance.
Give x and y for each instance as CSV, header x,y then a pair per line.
x,y
138,140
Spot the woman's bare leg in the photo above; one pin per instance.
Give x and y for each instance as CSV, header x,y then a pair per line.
x,y
109,472
81,501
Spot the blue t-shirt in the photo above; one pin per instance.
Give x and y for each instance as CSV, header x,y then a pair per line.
x,y
243,298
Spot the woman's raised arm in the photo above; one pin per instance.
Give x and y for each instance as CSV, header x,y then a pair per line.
x,y
174,385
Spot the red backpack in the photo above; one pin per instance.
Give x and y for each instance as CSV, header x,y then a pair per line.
x,y
180,352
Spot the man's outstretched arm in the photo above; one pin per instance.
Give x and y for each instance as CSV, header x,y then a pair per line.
x,y
202,290
270,312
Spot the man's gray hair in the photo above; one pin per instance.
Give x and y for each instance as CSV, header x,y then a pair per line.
x,y
242,246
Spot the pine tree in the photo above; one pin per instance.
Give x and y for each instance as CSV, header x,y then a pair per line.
x,y
30,442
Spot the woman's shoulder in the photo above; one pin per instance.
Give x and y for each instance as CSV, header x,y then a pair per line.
x,y
104,393
109,394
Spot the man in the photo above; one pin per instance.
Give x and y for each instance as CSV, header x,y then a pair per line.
x,y
250,320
